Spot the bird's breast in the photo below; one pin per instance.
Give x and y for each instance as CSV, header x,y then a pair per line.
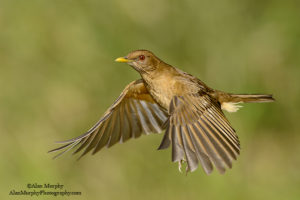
x,y
163,89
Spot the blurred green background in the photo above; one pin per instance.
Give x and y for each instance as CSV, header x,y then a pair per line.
x,y
58,76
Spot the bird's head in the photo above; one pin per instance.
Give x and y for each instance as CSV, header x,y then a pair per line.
x,y
143,61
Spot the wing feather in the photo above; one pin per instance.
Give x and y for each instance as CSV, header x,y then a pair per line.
x,y
202,156
177,148
133,113
201,133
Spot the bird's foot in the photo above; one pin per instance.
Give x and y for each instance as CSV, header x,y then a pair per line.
x,y
180,165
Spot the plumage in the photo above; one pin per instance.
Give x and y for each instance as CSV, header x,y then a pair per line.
x,y
200,132
132,114
169,99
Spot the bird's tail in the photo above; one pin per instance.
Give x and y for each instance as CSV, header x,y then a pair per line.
x,y
229,102
251,98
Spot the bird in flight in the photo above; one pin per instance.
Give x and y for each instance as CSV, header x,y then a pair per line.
x,y
166,98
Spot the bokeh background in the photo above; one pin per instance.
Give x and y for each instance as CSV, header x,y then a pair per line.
x,y
58,76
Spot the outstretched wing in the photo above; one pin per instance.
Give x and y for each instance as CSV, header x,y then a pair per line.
x,y
200,133
133,113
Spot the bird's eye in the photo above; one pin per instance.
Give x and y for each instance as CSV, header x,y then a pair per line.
x,y
142,57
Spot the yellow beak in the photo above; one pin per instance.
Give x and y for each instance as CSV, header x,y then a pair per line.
x,y
123,60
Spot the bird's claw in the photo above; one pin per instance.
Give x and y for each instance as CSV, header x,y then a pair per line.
x,y
180,165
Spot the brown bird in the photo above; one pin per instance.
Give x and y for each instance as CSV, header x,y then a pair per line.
x,y
167,98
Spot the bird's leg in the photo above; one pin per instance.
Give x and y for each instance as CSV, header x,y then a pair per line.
x,y
180,164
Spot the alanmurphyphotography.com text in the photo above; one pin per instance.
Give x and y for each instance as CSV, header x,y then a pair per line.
x,y
45,189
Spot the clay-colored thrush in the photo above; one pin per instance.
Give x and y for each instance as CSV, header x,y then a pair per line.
x,y
169,99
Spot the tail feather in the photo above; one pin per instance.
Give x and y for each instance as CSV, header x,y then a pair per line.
x,y
251,98
229,102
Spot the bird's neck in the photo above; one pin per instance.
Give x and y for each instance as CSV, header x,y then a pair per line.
x,y
162,73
